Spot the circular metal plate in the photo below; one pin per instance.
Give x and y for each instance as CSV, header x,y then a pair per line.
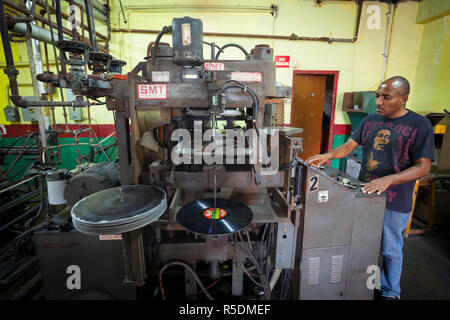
x,y
119,210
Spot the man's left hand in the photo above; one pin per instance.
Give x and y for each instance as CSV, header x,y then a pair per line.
x,y
377,185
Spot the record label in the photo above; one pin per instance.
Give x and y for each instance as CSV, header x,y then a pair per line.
x,y
219,213
214,217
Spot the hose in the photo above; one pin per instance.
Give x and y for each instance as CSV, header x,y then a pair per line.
x,y
41,205
166,29
231,45
17,158
290,165
181,263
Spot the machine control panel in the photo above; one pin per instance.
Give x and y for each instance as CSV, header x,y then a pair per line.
x,y
339,177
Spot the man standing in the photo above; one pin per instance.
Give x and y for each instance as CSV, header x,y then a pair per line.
x,y
398,147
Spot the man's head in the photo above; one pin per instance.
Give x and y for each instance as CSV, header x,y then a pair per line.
x,y
391,97
382,138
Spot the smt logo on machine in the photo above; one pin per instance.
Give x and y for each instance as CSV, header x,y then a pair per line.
x,y
152,91
214,66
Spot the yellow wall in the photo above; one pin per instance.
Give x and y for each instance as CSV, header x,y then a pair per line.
x,y
432,85
359,64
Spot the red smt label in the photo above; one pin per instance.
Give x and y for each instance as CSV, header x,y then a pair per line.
x,y
214,66
152,91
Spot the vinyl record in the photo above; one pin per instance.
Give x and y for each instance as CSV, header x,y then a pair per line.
x,y
199,216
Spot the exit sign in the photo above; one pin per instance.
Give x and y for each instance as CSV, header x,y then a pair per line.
x,y
282,61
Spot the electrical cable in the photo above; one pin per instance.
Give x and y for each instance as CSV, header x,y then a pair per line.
x,y
290,165
19,238
253,95
166,29
181,263
231,45
17,158
15,141
76,144
255,262
211,284
253,279
27,167
100,145
41,205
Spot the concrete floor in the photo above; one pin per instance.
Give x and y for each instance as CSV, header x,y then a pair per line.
x,y
426,267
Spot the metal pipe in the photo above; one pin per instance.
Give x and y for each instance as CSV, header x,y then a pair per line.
x,y
50,88
292,37
358,20
5,38
98,14
18,183
65,16
18,271
12,73
24,215
18,201
34,58
386,41
93,23
59,20
73,20
37,33
89,21
63,66
40,18
245,35
108,25
99,6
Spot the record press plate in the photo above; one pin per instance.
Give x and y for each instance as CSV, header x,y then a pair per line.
x,y
119,210
200,217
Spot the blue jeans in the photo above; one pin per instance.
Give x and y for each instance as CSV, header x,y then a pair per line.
x,y
391,249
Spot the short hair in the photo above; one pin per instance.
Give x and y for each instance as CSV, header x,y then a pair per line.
x,y
404,84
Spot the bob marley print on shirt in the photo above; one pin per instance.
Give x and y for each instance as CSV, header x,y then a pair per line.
x,y
391,146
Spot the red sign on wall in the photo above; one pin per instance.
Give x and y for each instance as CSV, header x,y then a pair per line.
x,y
282,61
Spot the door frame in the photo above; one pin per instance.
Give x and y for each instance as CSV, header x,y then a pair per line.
x,y
333,102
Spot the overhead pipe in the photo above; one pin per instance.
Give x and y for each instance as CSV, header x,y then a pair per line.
x,y
12,73
34,58
98,14
99,6
59,20
36,32
389,22
40,18
63,65
73,22
91,24
292,37
66,17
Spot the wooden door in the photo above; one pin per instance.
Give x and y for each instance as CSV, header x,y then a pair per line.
x,y
307,111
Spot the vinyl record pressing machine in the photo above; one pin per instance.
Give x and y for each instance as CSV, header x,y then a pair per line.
x,y
221,189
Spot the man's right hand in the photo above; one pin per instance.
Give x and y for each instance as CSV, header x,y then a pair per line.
x,y
319,158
